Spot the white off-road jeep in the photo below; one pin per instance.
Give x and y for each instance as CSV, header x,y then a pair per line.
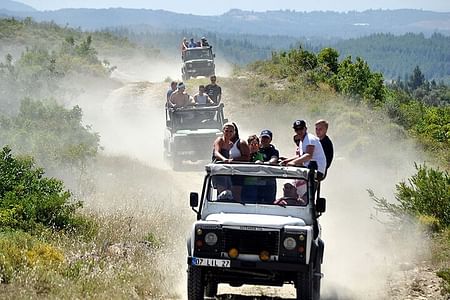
x,y
256,224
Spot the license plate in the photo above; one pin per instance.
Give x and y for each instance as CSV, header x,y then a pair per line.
x,y
210,262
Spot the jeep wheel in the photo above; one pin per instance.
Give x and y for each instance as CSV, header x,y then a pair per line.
x,y
317,276
211,289
195,287
176,163
304,286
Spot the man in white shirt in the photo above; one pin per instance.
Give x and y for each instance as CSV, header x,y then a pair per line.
x,y
201,98
311,153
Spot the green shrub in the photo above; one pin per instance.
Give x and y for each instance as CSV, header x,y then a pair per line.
x,y
445,275
28,199
52,134
426,195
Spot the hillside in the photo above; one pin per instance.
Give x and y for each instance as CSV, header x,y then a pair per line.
x,y
15,6
393,55
392,41
328,25
396,56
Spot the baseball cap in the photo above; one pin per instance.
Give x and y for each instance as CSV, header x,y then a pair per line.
x,y
180,85
266,132
299,124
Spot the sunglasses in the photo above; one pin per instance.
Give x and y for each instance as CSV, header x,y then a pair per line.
x,y
298,128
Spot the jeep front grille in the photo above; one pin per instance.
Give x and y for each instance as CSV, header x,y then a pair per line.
x,y
250,241
201,144
199,64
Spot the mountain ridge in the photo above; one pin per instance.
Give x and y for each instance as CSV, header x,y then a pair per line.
x,y
15,6
276,22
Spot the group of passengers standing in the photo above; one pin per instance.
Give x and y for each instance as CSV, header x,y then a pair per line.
x,y
185,44
207,95
313,152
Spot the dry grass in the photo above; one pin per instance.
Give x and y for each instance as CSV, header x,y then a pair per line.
x,y
135,250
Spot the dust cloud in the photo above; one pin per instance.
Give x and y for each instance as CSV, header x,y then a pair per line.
x,y
360,253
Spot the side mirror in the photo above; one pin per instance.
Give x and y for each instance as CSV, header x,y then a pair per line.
x,y
321,205
193,199
225,120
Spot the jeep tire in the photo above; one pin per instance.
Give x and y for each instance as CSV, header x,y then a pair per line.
x,y
317,277
304,284
211,289
196,287
176,163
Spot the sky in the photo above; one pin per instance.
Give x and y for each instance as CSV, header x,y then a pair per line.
x,y
211,7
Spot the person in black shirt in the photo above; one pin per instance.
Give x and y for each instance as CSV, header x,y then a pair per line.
x,y
269,152
327,145
213,90
267,193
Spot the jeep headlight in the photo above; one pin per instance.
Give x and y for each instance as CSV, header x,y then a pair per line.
x,y
211,238
289,243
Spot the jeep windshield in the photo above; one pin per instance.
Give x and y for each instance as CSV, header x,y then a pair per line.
x,y
197,118
258,184
192,54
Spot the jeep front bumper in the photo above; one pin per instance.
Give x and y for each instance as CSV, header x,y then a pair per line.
x,y
236,264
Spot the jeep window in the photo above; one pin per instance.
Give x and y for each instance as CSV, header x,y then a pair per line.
x,y
258,190
198,54
191,120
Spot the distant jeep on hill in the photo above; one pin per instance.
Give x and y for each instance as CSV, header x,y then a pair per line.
x,y
198,62
256,224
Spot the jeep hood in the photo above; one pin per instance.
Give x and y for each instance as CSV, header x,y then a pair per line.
x,y
227,219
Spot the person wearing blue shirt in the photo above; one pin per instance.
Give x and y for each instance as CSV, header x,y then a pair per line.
x,y
192,43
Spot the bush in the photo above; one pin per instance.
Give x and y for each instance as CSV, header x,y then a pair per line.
x,y
52,134
445,275
426,196
426,193
29,200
